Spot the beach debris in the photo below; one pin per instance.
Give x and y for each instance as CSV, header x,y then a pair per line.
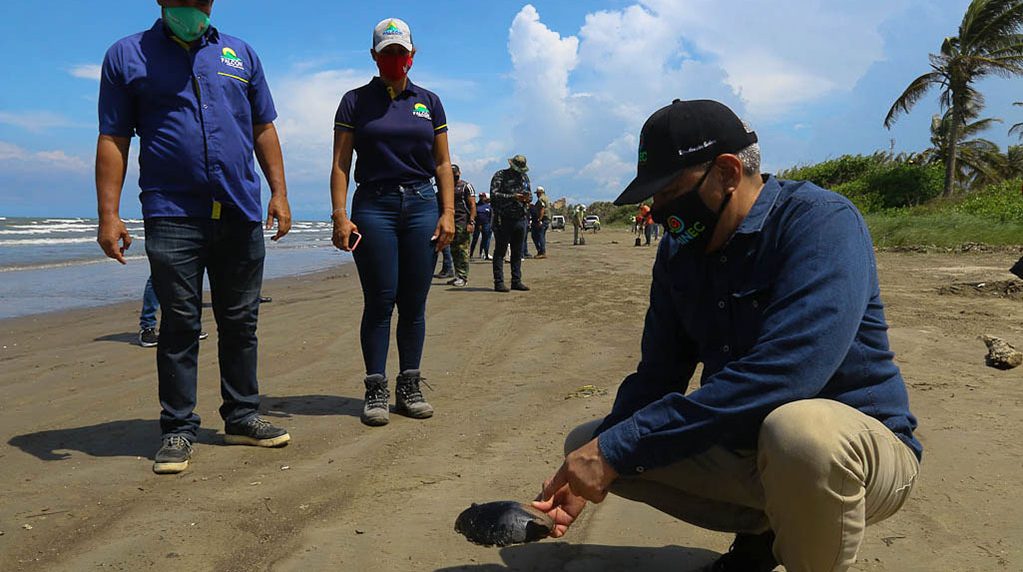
x,y
1000,354
502,523
587,391
27,526
285,467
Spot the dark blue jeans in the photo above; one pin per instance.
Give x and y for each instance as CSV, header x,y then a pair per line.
x,y
481,234
150,304
539,233
231,252
395,261
509,233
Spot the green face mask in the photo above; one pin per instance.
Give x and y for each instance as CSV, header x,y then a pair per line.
x,y
188,24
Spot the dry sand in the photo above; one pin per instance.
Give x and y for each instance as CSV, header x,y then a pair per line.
x,y
78,410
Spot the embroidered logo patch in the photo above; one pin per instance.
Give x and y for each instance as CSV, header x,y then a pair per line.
x,y
231,59
392,29
421,111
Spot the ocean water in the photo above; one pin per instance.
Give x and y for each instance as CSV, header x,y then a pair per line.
x,y
55,264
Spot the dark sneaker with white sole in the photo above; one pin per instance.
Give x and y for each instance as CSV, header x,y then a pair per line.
x,y
173,456
749,553
148,337
257,432
409,400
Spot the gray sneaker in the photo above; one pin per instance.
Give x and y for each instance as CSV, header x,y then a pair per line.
x,y
459,282
409,398
148,337
173,456
257,432
374,409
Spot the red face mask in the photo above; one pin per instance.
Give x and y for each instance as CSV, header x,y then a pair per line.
x,y
394,66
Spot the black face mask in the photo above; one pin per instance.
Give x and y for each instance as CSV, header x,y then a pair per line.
x,y
688,219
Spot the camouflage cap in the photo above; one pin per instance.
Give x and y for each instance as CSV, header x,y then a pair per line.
x,y
518,163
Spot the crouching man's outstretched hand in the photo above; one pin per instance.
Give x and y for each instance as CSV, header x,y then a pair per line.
x,y
585,475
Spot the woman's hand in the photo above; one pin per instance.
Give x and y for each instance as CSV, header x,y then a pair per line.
x,y
445,231
343,229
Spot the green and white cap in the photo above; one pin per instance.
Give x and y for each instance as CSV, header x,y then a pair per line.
x,y
392,31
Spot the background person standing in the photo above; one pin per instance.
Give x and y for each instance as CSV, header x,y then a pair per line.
x,y
201,205
483,228
400,133
465,221
509,191
542,221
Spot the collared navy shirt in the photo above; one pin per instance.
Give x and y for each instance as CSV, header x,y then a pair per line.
x,y
193,111
393,135
789,309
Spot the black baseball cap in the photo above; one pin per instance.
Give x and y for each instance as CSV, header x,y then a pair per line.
x,y
682,135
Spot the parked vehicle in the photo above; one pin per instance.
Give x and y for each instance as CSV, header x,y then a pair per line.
x,y
591,222
557,222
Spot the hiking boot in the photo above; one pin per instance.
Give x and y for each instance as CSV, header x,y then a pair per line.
x,y
175,451
445,274
148,338
520,287
374,408
749,553
501,287
540,256
459,282
409,399
257,432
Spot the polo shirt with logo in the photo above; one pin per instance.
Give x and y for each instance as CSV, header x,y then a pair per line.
x,y
193,110
394,133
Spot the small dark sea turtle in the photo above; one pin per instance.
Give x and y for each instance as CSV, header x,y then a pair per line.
x,y
502,523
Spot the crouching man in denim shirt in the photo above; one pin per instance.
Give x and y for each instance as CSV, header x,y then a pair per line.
x,y
800,433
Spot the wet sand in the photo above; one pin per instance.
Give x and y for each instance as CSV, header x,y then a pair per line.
x,y
78,429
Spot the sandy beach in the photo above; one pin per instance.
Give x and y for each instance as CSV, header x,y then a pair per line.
x,y
78,429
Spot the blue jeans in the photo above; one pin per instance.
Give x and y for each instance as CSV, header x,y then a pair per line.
x,y
395,261
150,304
539,233
509,233
481,234
448,266
231,252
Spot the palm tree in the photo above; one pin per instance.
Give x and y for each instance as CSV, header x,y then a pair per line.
x,y
1017,128
978,162
989,43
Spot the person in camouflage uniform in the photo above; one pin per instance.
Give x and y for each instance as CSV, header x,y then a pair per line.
x,y
465,220
510,197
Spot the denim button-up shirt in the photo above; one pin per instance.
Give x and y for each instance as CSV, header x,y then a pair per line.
x,y
789,309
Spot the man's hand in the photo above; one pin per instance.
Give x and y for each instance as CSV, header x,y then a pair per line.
x,y
564,507
279,211
111,231
586,473
445,231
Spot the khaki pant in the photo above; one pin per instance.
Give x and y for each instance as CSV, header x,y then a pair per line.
x,y
822,472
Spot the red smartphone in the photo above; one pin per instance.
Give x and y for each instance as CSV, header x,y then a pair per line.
x,y
357,238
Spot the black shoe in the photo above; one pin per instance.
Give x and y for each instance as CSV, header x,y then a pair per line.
x,y
448,274
1017,269
173,456
257,432
148,338
520,287
265,299
374,407
409,400
501,287
749,553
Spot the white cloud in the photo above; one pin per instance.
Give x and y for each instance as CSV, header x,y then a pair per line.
x,y
86,71
14,158
36,121
613,167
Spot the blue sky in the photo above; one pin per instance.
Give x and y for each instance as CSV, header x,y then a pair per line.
x,y
568,83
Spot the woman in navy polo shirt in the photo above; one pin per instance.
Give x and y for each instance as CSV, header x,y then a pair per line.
x,y
399,131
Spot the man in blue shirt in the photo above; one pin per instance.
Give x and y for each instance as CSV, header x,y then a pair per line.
x,y
800,433
199,102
